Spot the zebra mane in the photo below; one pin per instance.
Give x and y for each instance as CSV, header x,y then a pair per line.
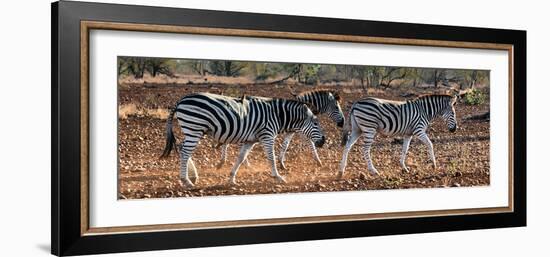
x,y
322,91
431,96
309,105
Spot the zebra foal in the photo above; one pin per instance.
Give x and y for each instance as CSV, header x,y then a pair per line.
x,y
370,116
245,121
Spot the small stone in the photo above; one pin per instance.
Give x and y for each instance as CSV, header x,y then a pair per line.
x,y
456,185
139,170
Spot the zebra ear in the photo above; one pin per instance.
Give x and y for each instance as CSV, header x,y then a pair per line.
x,y
336,96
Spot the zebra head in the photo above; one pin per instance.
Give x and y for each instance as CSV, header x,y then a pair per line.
x,y
312,129
334,110
449,113
323,101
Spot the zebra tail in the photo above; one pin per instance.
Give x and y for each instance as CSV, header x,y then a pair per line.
x,y
347,128
170,138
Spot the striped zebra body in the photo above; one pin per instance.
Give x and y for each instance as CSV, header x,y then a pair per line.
x,y
370,116
321,102
243,121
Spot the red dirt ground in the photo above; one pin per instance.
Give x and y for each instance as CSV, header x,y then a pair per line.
x,y
463,157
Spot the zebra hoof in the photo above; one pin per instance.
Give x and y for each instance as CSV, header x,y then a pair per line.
x,y
280,179
186,183
219,165
374,172
319,163
283,167
232,182
405,170
340,175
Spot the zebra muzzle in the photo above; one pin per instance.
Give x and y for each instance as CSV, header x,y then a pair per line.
x,y
320,142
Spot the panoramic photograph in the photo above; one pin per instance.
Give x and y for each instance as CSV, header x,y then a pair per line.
x,y
194,127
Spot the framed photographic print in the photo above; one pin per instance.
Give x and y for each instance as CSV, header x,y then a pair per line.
x,y
178,128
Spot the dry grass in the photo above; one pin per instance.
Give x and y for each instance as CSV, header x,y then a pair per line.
x,y
187,79
131,109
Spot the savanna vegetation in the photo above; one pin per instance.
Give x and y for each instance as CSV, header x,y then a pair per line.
x,y
306,74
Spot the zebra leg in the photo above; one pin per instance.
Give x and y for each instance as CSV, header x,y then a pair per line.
x,y
315,154
355,134
370,133
284,147
187,147
270,154
424,138
406,142
224,156
246,162
195,176
245,149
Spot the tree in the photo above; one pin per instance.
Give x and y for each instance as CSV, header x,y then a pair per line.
x,y
308,73
361,72
157,66
415,74
226,68
472,77
291,70
391,74
134,66
438,76
199,67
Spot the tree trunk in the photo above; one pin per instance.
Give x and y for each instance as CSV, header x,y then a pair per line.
x,y
228,68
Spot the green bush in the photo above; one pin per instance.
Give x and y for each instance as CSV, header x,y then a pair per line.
x,y
475,97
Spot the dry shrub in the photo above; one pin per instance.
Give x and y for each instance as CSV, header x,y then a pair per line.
x,y
127,110
158,113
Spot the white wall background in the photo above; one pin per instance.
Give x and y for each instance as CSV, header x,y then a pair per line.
x,y
25,127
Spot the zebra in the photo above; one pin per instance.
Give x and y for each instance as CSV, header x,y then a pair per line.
x,y
409,118
322,102
245,121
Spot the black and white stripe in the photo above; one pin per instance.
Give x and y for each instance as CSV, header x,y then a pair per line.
x,y
370,116
321,102
245,121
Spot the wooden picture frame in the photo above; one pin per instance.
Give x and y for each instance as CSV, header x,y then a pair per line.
x,y
71,25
